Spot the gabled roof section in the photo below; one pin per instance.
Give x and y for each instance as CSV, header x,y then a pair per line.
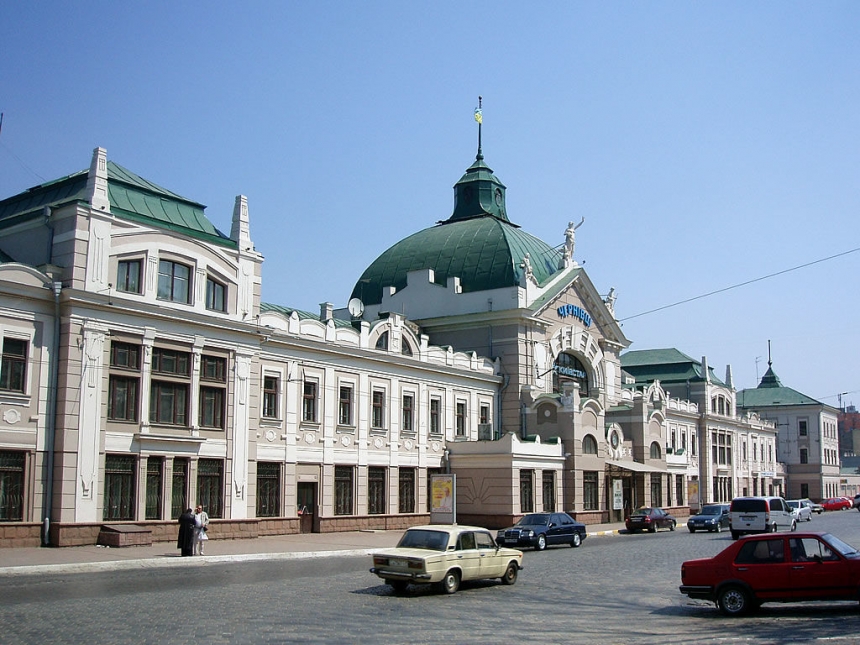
x,y
666,365
131,197
772,393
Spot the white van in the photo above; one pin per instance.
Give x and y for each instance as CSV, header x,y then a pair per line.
x,y
760,515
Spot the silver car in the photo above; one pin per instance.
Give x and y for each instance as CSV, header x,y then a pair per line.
x,y
801,509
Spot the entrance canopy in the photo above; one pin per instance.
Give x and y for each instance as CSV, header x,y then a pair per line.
x,y
635,466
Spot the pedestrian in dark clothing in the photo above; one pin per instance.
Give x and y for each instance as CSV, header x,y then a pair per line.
x,y
187,526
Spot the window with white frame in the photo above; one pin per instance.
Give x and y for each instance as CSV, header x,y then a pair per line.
x,y
213,391
271,392
344,410
171,380
216,295
309,401
435,415
408,412
128,274
123,381
13,369
460,419
377,412
174,281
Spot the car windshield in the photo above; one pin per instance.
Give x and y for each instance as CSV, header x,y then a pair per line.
x,y
711,510
534,519
838,545
424,539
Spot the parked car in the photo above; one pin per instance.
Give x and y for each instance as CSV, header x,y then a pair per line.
x,y
446,555
786,567
836,504
857,502
650,519
800,509
760,515
712,517
539,530
815,506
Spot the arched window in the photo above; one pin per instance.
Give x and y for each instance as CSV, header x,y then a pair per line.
x,y
655,450
405,349
589,445
568,368
382,342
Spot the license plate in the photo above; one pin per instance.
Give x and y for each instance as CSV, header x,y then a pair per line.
x,y
397,563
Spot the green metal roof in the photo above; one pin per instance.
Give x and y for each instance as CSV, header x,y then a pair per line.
x,y
303,315
772,393
666,365
484,252
131,197
478,244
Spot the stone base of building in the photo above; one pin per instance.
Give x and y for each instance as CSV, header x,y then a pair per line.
x,y
20,534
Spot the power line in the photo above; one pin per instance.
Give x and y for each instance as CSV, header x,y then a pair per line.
x,y
740,284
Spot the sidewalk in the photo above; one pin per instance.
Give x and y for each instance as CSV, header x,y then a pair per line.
x,y
29,561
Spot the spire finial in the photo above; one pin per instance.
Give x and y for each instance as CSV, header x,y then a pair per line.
x,y
479,117
769,362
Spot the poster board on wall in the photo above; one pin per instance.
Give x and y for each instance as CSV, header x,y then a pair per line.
x,y
443,499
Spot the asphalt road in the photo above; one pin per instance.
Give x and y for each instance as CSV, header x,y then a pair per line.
x,y
613,589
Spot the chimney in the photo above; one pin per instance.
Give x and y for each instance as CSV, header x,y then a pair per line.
x,y
326,311
730,382
705,369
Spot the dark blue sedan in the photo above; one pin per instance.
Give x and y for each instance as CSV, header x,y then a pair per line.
x,y
539,530
712,517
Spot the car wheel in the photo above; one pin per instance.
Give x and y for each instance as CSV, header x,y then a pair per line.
x,y
511,572
451,582
772,528
719,528
793,525
541,543
691,529
672,525
652,528
577,540
399,586
733,601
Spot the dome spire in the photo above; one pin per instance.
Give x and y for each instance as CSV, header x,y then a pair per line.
x,y
479,117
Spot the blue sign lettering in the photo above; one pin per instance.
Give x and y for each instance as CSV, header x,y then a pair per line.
x,y
577,312
569,371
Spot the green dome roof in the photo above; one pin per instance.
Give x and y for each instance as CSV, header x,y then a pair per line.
x,y
477,244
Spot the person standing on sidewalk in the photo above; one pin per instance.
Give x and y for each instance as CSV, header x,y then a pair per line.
x,y
201,522
187,532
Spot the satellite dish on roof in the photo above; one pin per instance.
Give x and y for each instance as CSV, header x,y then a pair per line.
x,y
355,307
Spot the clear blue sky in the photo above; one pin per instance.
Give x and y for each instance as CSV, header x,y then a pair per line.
x,y
706,143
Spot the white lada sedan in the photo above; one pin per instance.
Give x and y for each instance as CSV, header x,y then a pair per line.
x,y
445,555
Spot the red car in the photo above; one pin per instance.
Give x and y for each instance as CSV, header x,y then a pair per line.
x,y
837,504
775,567
649,519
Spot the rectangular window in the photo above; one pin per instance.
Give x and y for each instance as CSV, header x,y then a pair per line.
x,y
179,488
119,487
128,276
174,281
804,456
435,416
154,481
268,489
11,486
408,413
527,495
169,403
212,400
679,490
216,295
377,417
13,365
485,413
125,355
406,490
656,489
270,397
461,419
122,398
376,491
210,486
344,410
589,491
802,429
213,368
309,401
169,361
343,490
548,491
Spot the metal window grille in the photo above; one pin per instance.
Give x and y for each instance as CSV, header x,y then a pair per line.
x,y
154,479
376,491
527,496
210,486
179,488
119,487
11,486
406,490
548,490
343,490
268,489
